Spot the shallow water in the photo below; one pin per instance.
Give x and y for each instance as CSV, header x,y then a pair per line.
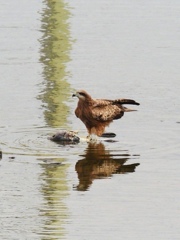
x,y
123,188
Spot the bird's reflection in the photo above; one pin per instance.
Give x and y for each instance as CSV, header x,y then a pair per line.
x,y
97,162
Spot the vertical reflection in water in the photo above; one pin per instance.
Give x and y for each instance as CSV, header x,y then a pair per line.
x,y
55,46
55,190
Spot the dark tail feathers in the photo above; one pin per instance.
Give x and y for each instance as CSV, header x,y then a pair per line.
x,y
126,101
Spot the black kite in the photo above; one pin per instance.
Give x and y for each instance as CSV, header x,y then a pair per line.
x,y
97,114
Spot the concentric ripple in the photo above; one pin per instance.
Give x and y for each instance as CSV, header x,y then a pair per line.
x,y
30,141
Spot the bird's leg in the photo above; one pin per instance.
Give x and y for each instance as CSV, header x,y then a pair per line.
x,y
92,137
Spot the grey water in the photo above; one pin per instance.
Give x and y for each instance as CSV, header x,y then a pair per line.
x,y
126,188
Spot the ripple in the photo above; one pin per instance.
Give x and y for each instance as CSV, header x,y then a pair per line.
x,y
31,141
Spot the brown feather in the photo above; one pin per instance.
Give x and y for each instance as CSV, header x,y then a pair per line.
x,y
97,114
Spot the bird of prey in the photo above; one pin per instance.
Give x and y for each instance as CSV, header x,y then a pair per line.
x,y
97,114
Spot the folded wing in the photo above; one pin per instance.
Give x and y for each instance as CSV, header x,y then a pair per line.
x,y
105,110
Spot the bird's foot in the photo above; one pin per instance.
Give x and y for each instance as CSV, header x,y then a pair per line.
x,y
92,138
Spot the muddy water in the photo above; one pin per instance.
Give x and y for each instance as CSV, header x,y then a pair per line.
x,y
126,188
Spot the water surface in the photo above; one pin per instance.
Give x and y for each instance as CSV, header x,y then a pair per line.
x,y
123,188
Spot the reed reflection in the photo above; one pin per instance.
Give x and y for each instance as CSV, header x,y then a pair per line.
x,y
55,47
97,162
54,190
54,55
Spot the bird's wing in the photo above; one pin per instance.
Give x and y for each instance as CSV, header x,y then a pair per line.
x,y
103,110
101,102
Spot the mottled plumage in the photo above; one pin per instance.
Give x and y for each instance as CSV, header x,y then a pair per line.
x,y
97,114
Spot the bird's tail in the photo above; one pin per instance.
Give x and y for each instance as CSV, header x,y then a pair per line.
x,y
126,101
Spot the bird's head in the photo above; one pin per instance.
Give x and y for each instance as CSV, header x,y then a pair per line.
x,y
82,95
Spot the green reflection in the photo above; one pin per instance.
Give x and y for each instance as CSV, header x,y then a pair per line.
x,y
55,47
54,190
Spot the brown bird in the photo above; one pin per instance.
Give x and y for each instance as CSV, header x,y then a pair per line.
x,y
97,114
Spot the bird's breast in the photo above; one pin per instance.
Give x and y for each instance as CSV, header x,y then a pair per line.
x,y
83,111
